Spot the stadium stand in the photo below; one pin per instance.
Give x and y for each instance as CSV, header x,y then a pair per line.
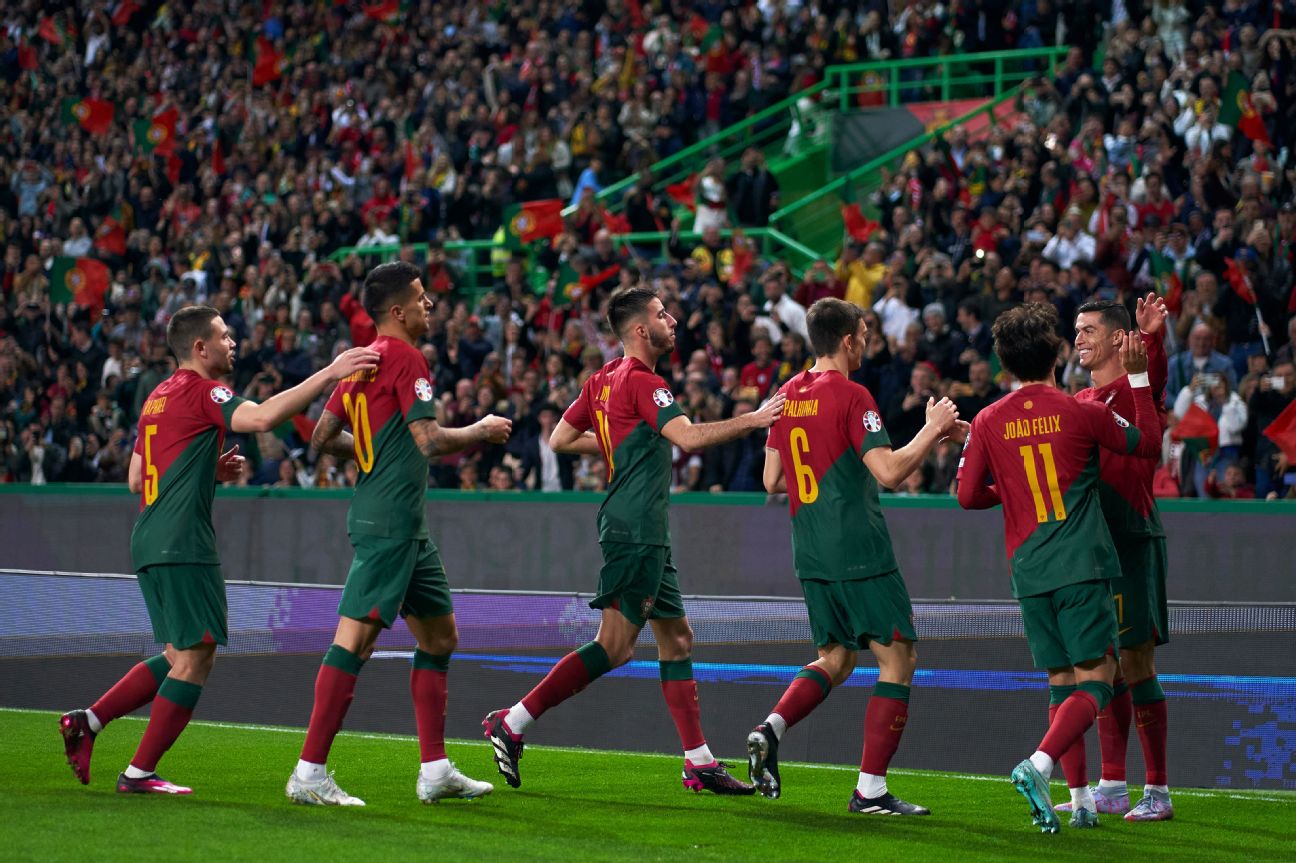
x,y
248,156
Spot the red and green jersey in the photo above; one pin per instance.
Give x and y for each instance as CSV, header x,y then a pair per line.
x,y
1125,481
1041,448
181,429
627,405
828,423
378,404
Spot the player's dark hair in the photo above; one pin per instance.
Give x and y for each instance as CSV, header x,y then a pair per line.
x,y
1026,341
829,321
1113,314
188,326
627,304
386,284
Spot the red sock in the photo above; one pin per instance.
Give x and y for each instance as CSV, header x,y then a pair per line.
x,y
172,709
334,689
884,723
572,674
1073,761
1151,721
1074,716
136,688
682,699
428,688
809,688
1113,733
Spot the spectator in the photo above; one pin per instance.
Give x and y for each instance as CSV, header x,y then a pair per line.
x,y
1211,392
1187,367
753,191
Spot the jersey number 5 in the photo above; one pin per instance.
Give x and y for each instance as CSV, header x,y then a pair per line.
x,y
357,411
807,488
150,469
1050,476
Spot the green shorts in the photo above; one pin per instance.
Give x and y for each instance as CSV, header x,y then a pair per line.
x,y
1073,624
853,613
1140,592
640,581
186,604
390,577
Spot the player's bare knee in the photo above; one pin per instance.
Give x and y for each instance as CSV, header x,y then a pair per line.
x,y
1138,663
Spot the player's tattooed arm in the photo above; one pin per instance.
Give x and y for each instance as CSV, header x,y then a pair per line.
x,y
329,437
436,440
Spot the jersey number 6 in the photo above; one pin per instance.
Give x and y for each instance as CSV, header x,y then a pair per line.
x,y
806,487
357,411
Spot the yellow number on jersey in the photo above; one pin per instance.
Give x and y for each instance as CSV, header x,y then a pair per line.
x,y
806,487
605,438
357,411
1050,477
150,469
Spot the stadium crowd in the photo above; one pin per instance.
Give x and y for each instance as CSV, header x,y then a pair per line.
x,y
220,152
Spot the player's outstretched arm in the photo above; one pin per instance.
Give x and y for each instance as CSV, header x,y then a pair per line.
x,y
435,440
568,439
775,479
253,417
689,437
329,437
973,492
890,467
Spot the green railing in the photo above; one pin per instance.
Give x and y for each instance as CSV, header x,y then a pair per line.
x,y
815,221
769,243
891,82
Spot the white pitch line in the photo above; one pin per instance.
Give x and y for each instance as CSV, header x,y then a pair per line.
x,y
1234,794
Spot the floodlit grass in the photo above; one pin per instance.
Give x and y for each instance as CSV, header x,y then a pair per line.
x,y
574,806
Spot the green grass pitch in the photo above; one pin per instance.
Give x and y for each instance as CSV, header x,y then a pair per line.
x,y
574,806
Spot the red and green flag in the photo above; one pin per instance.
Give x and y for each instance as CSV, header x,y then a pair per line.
x,y
1198,431
859,226
1238,280
81,281
684,191
126,10
110,236
267,62
53,32
387,11
1168,282
93,115
1282,431
570,286
616,223
158,134
1237,109
531,221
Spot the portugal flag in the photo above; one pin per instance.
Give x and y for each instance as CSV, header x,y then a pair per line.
x,y
859,226
534,220
386,10
683,192
157,135
110,238
82,281
1198,431
93,115
1282,432
267,63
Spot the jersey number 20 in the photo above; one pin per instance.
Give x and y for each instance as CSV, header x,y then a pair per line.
x,y
357,411
1050,477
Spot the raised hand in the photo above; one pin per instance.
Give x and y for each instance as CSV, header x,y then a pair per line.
x,y
1133,354
1151,313
229,465
960,431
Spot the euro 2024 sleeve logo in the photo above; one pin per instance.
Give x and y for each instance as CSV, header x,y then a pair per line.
x,y
872,422
663,397
423,390
221,394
